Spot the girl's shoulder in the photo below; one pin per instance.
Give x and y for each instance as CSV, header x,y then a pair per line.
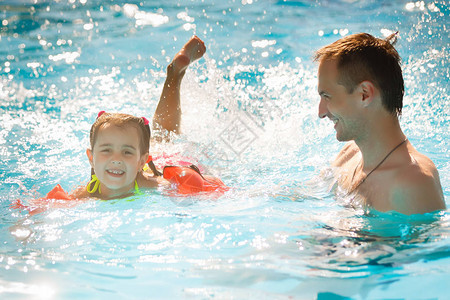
x,y
80,193
147,180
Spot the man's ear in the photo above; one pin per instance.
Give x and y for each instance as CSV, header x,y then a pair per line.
x,y
368,92
90,157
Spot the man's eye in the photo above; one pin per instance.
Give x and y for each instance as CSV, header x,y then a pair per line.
x,y
324,96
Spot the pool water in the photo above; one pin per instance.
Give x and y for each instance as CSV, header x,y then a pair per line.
x,y
249,116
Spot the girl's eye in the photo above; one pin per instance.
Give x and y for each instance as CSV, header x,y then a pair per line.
x,y
105,150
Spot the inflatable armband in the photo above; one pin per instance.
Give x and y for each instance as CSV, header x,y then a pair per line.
x,y
188,180
58,193
53,198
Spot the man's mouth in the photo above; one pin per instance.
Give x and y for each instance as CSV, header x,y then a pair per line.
x,y
334,120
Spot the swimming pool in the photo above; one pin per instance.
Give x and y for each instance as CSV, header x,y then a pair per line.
x,y
250,116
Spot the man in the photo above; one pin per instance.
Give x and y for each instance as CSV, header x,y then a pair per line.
x,y
361,90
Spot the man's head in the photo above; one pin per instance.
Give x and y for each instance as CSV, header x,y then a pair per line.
x,y
362,57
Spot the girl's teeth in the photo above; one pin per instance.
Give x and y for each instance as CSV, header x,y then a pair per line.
x,y
115,172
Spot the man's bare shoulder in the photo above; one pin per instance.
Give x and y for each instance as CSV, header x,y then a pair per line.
x,y
347,152
419,168
416,187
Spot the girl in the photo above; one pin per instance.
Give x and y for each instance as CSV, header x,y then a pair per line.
x,y
119,146
118,153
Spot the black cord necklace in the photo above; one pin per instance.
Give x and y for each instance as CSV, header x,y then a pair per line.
x,y
382,161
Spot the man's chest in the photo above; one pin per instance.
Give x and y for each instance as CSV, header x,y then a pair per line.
x,y
373,190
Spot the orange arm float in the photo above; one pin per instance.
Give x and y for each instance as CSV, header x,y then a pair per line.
x,y
188,180
41,204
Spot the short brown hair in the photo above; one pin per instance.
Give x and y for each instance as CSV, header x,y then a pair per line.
x,y
122,120
363,57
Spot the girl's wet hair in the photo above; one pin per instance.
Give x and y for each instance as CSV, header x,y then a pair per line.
x,y
122,120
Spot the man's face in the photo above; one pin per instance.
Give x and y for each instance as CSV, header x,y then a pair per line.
x,y
337,104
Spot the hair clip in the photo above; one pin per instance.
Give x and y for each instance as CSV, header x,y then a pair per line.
x,y
146,122
100,113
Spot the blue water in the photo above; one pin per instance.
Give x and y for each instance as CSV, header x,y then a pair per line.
x,y
250,117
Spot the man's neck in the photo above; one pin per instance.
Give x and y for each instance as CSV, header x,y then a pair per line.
x,y
383,136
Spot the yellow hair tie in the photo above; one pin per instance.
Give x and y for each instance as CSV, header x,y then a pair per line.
x,y
96,183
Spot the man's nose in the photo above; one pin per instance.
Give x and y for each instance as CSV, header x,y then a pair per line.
x,y
323,110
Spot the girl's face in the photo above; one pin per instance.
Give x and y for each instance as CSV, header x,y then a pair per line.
x,y
116,159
